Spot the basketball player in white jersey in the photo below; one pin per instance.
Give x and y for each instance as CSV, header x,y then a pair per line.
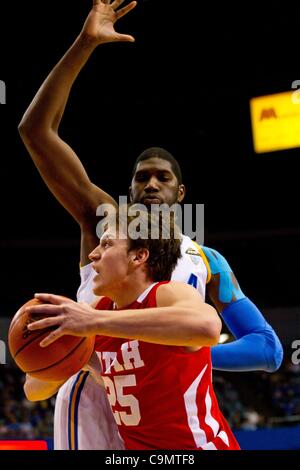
x,y
156,179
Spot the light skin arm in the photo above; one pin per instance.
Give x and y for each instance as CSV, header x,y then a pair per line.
x,y
37,390
55,160
181,318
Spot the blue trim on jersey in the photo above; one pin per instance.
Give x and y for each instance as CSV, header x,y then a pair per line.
x,y
77,408
79,375
257,346
70,409
219,265
193,281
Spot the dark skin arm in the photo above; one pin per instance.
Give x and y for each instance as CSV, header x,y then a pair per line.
x,y
55,160
223,288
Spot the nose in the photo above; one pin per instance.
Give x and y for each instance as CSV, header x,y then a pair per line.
x,y
152,185
95,254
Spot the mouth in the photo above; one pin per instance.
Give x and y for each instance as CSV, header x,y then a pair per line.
x,y
96,277
151,200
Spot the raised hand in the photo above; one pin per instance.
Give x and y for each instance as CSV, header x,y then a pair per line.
x,y
99,25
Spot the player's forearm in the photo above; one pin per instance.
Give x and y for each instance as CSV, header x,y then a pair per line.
x,y
37,390
57,163
46,110
163,325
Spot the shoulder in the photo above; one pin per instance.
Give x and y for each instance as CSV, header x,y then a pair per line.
x,y
216,260
223,287
175,291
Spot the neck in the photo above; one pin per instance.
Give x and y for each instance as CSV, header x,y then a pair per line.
x,y
128,291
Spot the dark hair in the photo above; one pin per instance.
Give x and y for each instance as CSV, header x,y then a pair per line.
x,y
164,249
158,152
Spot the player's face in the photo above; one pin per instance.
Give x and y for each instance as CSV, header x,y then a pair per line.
x,y
154,182
111,264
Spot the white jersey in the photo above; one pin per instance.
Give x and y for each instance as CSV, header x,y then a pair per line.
x,y
83,419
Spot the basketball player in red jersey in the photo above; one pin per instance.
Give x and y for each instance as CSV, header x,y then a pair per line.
x,y
153,337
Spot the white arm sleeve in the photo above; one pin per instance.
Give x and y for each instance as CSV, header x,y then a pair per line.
x,y
85,291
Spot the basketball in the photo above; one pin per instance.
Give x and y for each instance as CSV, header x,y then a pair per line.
x,y
56,362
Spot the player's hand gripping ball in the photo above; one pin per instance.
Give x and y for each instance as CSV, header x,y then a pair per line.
x,y
56,362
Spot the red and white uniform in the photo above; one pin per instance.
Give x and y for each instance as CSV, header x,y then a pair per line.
x,y
161,396
82,415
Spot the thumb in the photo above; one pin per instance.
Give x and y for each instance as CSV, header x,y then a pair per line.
x,y
124,38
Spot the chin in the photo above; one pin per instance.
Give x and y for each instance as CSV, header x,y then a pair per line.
x,y
100,291
97,290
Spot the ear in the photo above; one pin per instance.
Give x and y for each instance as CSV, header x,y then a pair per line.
x,y
140,256
181,193
130,193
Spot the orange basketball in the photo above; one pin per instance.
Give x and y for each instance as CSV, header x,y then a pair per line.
x,y
56,362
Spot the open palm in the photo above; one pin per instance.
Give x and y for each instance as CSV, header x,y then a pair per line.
x,y
99,25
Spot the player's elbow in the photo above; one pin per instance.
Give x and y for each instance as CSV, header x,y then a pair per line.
x,y
210,329
25,128
32,131
273,352
215,331
38,390
31,394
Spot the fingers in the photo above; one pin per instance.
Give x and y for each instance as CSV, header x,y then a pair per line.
x,y
45,323
116,3
123,11
45,309
53,336
51,298
124,38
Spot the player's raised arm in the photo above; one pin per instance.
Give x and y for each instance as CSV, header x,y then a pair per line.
x,y
57,163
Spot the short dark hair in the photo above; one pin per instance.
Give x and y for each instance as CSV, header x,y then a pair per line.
x,y
158,152
165,250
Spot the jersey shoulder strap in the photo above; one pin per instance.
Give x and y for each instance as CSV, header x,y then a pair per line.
x,y
205,260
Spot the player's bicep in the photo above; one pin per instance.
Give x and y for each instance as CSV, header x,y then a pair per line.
x,y
223,288
191,312
179,294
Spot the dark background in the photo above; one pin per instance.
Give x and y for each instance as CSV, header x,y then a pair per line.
x,y
185,85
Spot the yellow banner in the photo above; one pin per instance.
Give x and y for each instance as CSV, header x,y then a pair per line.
x,y
276,121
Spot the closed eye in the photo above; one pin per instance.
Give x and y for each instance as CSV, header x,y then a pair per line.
x,y
140,177
164,178
106,243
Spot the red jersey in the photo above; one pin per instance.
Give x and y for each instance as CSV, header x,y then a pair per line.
x,y
161,396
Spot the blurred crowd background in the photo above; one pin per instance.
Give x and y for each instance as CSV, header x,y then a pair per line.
x,y
250,402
